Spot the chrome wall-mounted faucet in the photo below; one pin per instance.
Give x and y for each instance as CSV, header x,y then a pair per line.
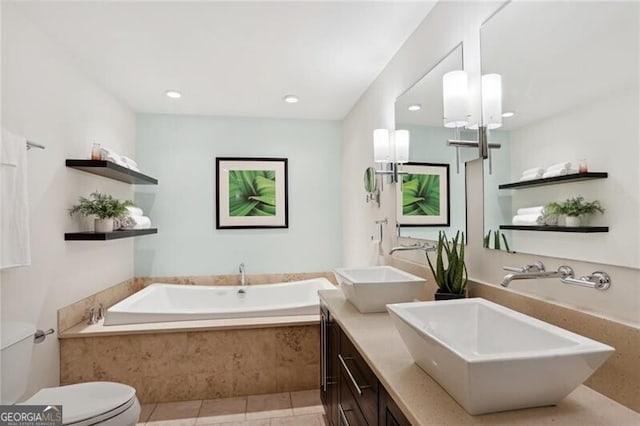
x,y
243,278
417,246
536,272
598,280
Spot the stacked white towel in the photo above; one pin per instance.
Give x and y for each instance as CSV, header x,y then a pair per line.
x,y
566,165
530,210
135,219
15,249
528,215
121,160
532,173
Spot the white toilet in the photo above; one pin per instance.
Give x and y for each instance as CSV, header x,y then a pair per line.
x,y
83,404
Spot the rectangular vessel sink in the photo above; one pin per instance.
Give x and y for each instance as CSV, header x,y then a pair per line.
x,y
370,289
491,358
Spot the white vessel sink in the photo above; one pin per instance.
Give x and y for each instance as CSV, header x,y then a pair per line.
x,y
491,358
370,289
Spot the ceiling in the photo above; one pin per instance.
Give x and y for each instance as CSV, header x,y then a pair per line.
x,y
232,58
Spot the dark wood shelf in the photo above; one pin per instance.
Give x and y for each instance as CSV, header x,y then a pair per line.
x,y
112,171
546,228
576,177
105,236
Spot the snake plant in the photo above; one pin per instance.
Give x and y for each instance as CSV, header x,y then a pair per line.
x,y
451,278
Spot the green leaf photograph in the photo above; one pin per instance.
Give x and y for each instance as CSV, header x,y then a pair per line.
x,y
421,195
252,193
423,199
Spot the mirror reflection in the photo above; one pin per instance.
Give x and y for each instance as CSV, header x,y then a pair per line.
x,y
569,132
432,195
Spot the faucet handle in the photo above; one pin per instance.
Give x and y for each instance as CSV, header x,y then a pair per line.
x,y
92,315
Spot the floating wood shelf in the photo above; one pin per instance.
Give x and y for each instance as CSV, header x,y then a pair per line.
x,y
105,236
546,228
576,177
112,171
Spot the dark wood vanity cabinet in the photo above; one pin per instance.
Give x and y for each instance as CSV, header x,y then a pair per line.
x,y
329,368
349,389
389,414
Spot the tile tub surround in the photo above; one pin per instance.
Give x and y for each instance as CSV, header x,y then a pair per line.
x,y
181,366
76,313
425,402
618,378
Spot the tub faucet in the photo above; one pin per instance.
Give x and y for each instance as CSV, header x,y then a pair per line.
x,y
531,272
243,278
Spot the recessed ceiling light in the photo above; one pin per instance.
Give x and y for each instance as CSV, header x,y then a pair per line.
x,y
508,114
415,107
290,99
173,94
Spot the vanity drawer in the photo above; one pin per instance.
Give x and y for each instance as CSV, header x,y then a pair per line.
x,y
360,379
349,413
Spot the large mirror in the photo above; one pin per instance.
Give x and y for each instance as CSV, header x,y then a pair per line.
x,y
432,195
570,83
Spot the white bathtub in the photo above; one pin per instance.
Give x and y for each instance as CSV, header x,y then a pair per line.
x,y
172,302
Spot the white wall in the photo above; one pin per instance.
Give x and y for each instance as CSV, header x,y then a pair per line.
x,y
565,137
447,25
49,101
180,152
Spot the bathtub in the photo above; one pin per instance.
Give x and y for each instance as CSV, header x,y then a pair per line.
x,y
172,302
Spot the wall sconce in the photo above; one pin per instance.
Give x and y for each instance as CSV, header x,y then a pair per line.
x,y
455,99
492,101
455,102
390,152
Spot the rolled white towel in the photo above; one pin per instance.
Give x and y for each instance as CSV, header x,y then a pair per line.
x,y
530,210
109,155
533,171
130,163
526,219
559,172
559,166
135,211
135,222
530,177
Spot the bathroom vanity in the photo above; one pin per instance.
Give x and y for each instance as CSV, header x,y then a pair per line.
x,y
368,377
351,393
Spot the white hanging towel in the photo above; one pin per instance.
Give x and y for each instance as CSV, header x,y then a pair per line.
x,y
14,213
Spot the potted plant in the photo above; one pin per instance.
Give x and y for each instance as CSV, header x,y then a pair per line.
x,y
104,206
576,210
452,277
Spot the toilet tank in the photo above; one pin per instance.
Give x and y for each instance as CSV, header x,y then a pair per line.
x,y
16,340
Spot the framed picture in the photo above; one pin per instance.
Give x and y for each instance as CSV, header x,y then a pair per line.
x,y
424,196
251,193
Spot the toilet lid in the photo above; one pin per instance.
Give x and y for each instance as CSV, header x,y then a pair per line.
x,y
84,400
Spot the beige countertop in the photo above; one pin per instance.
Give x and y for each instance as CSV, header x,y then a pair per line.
x,y
99,329
425,402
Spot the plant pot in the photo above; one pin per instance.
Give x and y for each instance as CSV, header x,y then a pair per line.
x,y
103,225
572,221
442,295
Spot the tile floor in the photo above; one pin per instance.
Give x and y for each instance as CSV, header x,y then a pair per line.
x,y
302,408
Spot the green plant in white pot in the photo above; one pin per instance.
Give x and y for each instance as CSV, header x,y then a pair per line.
x,y
576,210
104,206
450,273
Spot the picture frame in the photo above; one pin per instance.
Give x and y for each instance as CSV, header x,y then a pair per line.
x,y
422,198
251,193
